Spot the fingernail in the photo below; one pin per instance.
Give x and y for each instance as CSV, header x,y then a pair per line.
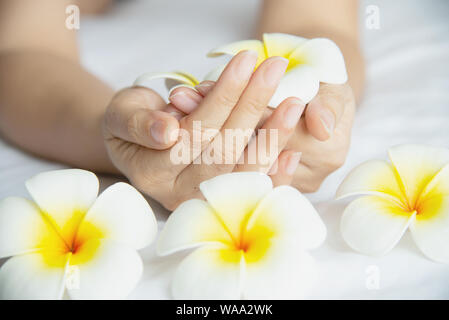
x,y
204,87
275,71
293,113
292,163
185,101
327,119
158,131
246,65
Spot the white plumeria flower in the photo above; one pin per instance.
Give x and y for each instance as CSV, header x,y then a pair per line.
x,y
310,62
68,232
411,192
250,240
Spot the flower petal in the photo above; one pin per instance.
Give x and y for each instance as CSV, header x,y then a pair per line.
x,y
301,82
29,277
438,186
172,79
281,44
234,196
236,47
209,273
121,214
192,224
111,273
285,272
287,213
374,177
64,196
22,227
325,57
430,230
416,165
373,225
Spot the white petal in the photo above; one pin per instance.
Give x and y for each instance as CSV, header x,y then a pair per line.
x,y
301,82
430,230
111,273
22,228
204,274
375,177
325,57
281,44
214,74
236,47
172,79
373,225
234,196
438,186
123,215
193,223
417,165
29,277
64,196
287,213
286,272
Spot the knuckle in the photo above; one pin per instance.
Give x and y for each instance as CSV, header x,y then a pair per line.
x,y
254,107
226,99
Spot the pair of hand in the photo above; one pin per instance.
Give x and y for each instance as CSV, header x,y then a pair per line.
x,y
142,132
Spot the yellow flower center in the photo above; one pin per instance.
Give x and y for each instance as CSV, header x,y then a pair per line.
x,y
252,244
74,243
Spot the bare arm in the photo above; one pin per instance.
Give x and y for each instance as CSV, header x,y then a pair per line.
x,y
337,20
49,105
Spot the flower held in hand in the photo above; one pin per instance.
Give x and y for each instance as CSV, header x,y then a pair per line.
x,y
310,62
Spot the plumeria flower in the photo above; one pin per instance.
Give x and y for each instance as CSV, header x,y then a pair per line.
x,y
310,62
411,192
68,235
250,240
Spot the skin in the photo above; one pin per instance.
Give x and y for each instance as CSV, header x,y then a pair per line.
x,y
324,132
70,116
238,101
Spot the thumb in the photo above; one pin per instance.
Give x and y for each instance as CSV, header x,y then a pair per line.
x,y
130,117
325,110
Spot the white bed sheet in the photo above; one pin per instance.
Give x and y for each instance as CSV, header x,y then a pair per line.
x,y
407,100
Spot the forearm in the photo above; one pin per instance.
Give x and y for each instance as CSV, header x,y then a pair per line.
x,y
332,19
52,107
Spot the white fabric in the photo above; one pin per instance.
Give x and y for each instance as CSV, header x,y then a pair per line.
x,y
406,101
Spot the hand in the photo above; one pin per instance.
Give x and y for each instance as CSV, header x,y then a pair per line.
x,y
322,135
237,101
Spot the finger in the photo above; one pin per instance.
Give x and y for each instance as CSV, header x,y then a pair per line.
x,y
284,168
306,179
148,97
205,87
272,138
185,99
200,126
221,155
251,106
325,110
175,112
130,118
216,107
